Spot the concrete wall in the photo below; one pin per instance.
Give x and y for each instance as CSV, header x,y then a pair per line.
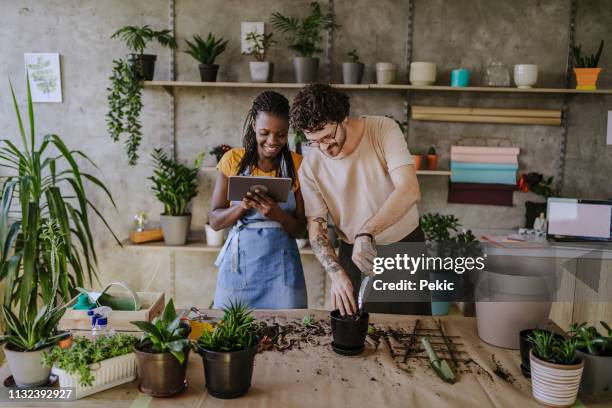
x,y
450,33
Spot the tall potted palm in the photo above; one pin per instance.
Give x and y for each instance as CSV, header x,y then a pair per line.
x,y
206,52
175,185
304,36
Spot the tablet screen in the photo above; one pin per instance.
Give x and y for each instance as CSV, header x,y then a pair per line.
x,y
276,187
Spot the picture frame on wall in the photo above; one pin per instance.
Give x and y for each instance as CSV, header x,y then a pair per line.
x,y
43,70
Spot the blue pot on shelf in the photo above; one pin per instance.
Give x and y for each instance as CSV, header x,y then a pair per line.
x,y
439,308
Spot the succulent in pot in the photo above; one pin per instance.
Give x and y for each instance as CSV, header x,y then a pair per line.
x,y
261,70
229,352
175,184
596,351
206,52
162,354
304,37
586,68
556,370
352,72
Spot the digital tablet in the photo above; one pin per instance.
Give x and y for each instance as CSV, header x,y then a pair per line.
x,y
275,187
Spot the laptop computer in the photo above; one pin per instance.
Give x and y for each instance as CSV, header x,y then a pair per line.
x,y
578,220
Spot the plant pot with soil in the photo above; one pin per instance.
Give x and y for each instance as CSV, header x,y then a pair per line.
x,y
349,332
352,72
136,39
525,347
205,52
261,70
162,354
585,68
175,185
596,351
304,36
432,159
229,352
556,371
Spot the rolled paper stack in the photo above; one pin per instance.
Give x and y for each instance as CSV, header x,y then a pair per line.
x,y
483,175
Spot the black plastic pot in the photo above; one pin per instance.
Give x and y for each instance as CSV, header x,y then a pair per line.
x,y
349,332
144,65
208,72
160,374
228,374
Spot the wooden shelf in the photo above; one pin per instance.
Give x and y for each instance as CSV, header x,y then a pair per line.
x,y
419,172
191,246
169,85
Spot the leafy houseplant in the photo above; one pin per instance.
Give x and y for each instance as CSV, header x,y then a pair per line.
x,y
432,158
304,36
162,354
261,70
596,350
47,184
136,39
175,185
206,52
553,361
229,352
352,72
585,68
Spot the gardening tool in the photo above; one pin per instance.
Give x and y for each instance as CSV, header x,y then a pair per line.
x,y
440,367
365,286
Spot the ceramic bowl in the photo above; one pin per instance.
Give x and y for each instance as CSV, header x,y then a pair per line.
x,y
525,75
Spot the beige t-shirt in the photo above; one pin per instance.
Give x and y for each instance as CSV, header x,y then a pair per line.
x,y
353,188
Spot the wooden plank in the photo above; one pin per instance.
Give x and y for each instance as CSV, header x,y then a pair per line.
x,y
487,119
473,111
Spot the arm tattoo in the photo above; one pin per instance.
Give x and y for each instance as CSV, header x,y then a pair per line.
x,y
323,248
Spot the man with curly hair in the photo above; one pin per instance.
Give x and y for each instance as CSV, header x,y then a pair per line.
x,y
361,175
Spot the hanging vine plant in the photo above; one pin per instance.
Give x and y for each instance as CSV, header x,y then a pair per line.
x,y
124,105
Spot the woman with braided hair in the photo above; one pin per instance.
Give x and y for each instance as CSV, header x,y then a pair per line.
x,y
260,264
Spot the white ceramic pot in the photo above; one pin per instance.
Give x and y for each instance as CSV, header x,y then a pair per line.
x,y
422,73
385,73
301,242
214,238
175,228
27,367
261,71
554,385
525,75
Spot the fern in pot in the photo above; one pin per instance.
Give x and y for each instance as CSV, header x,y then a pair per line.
x,y
162,354
261,70
206,52
229,353
304,37
175,184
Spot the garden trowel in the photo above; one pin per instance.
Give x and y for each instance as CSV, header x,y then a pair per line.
x,y
441,367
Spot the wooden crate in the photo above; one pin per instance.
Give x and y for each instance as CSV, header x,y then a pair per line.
x,y
152,305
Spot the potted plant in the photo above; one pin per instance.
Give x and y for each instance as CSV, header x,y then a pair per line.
x,y
555,369
349,332
261,70
162,354
205,52
93,366
136,39
432,158
175,185
229,352
352,72
596,351
585,68
304,36
418,159
541,186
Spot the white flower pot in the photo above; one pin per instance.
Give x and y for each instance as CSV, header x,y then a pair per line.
x,y
422,73
525,75
261,71
385,73
107,374
27,367
214,238
554,385
175,228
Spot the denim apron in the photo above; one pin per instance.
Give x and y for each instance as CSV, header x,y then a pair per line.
x,y
260,264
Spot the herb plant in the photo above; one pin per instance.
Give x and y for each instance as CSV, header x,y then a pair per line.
x,y
84,352
587,61
174,183
590,340
136,38
553,349
205,52
234,333
304,35
353,55
259,43
165,334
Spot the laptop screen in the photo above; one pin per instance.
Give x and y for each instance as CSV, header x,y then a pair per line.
x,y
580,219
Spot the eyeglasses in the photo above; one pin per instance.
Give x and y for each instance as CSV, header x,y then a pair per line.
x,y
326,140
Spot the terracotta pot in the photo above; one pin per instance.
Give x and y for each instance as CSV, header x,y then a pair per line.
x,y
586,78
432,161
65,343
418,161
555,385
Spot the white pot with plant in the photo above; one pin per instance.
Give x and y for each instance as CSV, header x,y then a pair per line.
x,y
352,72
304,36
261,70
555,369
175,185
206,52
93,366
